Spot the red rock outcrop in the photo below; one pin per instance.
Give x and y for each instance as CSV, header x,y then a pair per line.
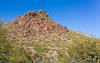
x,y
37,22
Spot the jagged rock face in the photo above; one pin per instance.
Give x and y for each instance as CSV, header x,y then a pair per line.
x,y
37,22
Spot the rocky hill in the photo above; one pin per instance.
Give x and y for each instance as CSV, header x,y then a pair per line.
x,y
36,38
36,22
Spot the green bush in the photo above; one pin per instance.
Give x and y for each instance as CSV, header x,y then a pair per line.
x,y
17,55
84,51
4,47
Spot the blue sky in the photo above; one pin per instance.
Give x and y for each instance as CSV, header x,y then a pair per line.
x,y
79,15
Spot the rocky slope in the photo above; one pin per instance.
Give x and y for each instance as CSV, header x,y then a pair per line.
x,y
36,22
42,39
38,34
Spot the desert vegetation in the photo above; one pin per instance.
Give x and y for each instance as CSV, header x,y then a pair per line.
x,y
81,50
29,40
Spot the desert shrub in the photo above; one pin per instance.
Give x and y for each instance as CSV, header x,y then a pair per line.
x,y
4,47
84,51
22,54
17,54
11,52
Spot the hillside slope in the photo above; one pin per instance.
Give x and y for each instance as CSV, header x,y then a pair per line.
x,y
36,38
